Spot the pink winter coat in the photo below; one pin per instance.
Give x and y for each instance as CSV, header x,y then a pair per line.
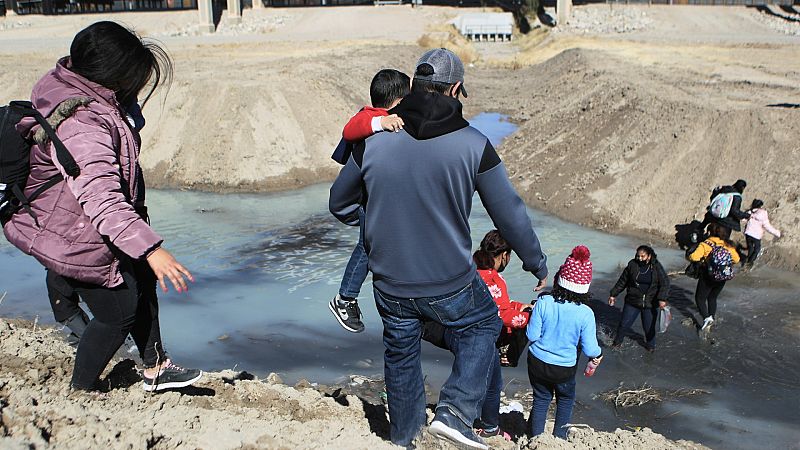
x,y
758,222
87,223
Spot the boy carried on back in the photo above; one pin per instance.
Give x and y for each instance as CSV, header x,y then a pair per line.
x,y
386,90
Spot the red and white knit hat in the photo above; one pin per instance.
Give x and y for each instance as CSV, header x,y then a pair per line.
x,y
576,273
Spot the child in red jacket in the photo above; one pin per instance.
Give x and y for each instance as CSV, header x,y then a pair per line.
x,y
492,258
388,87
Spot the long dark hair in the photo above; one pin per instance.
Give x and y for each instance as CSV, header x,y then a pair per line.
x,y
492,245
756,204
114,57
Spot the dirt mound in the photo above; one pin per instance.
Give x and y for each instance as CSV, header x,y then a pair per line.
x,y
226,410
624,147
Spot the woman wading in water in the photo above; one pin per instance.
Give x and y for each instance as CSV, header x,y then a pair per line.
x,y
648,288
92,229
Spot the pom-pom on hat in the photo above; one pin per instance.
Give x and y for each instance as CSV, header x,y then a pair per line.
x,y
576,273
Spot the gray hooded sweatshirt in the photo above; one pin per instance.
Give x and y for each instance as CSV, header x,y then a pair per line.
x,y
416,187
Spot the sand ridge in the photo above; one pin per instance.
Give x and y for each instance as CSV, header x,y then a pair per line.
x,y
225,410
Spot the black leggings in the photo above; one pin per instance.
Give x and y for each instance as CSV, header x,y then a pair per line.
x,y
63,299
753,248
706,293
131,308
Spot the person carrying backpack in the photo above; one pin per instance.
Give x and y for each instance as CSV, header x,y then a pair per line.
x,y
725,207
91,227
718,255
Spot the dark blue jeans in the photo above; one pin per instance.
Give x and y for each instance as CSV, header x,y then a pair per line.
x,y
356,271
470,315
543,396
490,411
629,315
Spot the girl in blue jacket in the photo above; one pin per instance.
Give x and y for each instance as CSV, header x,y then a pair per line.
x,y
560,322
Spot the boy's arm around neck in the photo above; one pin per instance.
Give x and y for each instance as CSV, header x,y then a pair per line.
x,y
361,125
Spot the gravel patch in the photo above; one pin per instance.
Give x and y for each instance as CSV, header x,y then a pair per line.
x,y
605,20
779,20
10,24
251,23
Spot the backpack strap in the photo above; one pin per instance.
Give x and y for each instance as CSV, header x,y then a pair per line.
x,y
25,201
64,157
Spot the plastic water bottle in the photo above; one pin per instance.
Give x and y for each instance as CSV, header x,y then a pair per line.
x,y
590,368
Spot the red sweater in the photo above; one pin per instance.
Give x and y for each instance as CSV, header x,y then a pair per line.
x,y
360,126
508,310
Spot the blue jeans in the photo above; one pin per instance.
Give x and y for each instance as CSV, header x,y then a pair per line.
x,y
543,396
490,411
629,315
470,315
356,271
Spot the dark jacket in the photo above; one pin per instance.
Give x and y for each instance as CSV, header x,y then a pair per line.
x,y
736,215
417,187
659,288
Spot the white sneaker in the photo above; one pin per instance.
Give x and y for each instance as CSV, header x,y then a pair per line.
x,y
707,322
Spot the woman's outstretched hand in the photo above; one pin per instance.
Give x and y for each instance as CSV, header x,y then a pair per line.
x,y
165,266
542,284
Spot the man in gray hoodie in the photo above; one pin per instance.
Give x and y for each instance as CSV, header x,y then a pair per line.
x,y
416,187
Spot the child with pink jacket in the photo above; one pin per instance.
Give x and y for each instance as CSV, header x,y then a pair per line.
x,y
754,231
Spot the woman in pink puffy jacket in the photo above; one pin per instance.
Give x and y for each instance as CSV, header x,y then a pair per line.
x,y
754,231
92,229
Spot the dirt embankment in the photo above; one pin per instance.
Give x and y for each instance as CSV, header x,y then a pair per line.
x,y
226,410
268,121
630,148
264,123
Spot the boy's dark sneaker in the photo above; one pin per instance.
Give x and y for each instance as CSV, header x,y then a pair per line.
x,y
447,426
171,377
347,313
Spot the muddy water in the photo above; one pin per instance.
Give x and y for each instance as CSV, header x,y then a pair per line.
x,y
266,266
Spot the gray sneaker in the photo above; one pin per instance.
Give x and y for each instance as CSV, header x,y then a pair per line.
x,y
447,426
171,377
347,313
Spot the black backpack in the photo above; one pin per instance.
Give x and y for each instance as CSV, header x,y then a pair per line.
x,y
15,160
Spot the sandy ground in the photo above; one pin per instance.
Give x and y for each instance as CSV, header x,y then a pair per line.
x,y
226,410
622,131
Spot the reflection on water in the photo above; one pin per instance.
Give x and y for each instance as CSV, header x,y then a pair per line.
x,y
266,266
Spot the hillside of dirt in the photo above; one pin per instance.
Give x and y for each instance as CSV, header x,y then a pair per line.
x,y
625,127
637,149
225,410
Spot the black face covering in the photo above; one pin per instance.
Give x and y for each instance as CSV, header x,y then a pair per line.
x,y
503,265
642,263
